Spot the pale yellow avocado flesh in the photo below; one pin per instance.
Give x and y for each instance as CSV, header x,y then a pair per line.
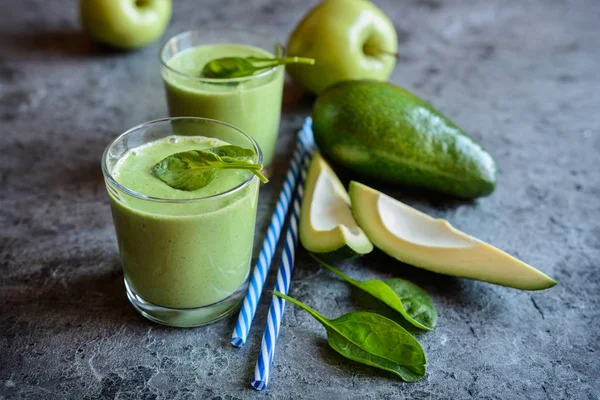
x,y
326,221
433,244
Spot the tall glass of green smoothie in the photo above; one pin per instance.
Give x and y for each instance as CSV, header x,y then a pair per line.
x,y
252,103
185,254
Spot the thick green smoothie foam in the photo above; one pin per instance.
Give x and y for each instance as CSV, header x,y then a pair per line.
x,y
252,104
183,255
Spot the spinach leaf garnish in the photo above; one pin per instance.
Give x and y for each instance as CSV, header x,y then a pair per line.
x,y
372,339
408,299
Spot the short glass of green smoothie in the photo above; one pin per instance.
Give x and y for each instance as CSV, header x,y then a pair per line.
x,y
186,254
252,103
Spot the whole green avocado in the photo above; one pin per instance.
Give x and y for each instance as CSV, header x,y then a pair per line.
x,y
380,130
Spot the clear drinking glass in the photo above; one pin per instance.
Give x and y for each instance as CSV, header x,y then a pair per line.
x,y
186,261
251,103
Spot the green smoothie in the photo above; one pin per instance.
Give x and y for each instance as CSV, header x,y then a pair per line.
x,y
186,254
252,104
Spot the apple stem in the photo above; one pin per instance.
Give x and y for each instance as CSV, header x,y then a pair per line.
x,y
375,51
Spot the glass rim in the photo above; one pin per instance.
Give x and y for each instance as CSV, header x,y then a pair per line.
x,y
109,177
217,80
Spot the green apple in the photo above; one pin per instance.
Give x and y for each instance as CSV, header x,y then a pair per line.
x,y
349,39
125,24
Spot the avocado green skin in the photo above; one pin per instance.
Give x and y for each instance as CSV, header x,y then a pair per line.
x,y
341,254
383,131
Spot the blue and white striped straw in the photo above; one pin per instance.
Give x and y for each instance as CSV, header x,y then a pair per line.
x,y
259,275
284,274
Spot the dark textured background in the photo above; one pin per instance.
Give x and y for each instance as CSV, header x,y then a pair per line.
x,y
521,76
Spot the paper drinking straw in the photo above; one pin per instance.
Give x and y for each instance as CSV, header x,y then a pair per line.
x,y
271,332
267,349
259,275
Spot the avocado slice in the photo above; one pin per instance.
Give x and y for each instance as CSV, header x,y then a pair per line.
x,y
382,131
433,244
327,226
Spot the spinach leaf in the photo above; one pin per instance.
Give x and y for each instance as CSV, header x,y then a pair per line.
x,y
416,302
233,151
408,299
372,339
237,67
194,169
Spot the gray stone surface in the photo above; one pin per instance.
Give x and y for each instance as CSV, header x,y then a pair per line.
x,y
521,76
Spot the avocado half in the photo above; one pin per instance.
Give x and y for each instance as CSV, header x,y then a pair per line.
x,y
433,244
382,131
327,226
